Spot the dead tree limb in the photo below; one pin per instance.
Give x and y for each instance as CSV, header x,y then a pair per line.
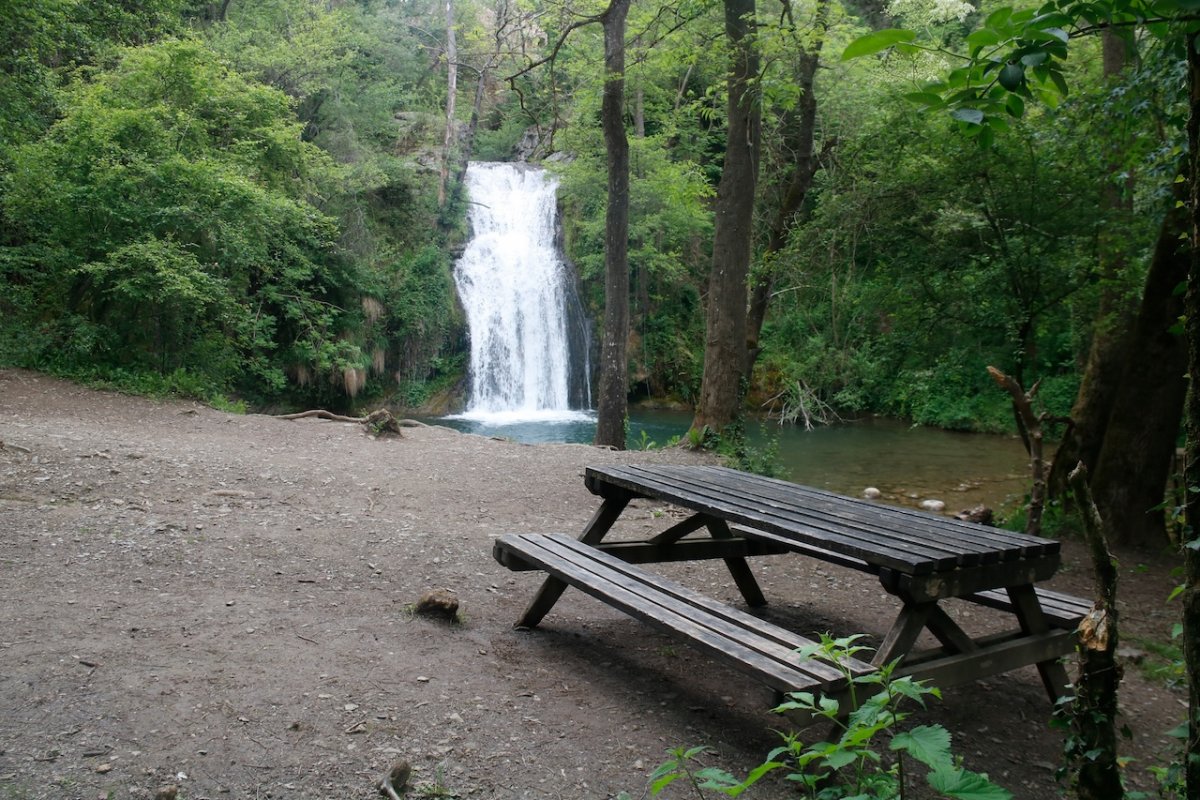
x,y
1031,432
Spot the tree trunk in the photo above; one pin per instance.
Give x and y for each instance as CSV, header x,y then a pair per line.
x,y
1094,714
1130,479
725,337
451,99
1109,349
1191,556
614,357
798,146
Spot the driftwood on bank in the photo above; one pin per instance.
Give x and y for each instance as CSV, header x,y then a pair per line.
x,y
378,422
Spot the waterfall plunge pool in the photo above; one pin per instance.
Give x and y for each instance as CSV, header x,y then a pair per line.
x,y
908,464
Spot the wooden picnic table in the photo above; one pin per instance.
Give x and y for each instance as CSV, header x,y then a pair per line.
x,y
922,559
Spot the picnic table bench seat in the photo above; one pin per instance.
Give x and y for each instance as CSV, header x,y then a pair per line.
x,y
1061,610
765,651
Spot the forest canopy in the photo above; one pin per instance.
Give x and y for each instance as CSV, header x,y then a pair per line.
x,y
250,200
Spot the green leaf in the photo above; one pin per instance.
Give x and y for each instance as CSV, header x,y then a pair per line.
x,y
972,116
982,38
1035,58
927,99
1060,83
997,18
962,784
1014,105
714,778
840,758
929,744
657,786
1055,19
1180,731
877,41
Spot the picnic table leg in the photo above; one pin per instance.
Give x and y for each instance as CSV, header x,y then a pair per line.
x,y
552,588
947,631
904,632
1032,620
738,568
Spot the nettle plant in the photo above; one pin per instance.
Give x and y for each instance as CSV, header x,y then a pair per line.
x,y
868,760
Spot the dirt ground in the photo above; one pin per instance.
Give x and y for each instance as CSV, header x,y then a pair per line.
x,y
222,604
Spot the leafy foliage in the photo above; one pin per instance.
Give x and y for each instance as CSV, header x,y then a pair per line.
x,y
186,214
854,764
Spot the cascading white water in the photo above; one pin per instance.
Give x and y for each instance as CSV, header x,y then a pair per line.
x,y
515,290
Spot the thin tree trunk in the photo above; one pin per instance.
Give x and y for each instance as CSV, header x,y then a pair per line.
x,y
725,337
1094,715
1031,427
807,162
1191,556
1130,478
451,100
614,356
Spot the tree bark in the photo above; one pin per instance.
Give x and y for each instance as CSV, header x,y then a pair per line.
x,y
451,100
613,394
1130,477
798,146
1094,715
725,336
1191,556
1031,431
1109,349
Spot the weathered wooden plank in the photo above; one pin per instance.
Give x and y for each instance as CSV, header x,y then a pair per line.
x,y
925,529
761,649
886,526
788,544
692,489
989,544
686,550
903,556
674,597
991,659
960,582
1060,610
992,538
695,599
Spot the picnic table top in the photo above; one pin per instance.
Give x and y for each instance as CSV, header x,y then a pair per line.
x,y
907,541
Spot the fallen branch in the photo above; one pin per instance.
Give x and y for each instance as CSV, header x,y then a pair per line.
x,y
379,422
9,446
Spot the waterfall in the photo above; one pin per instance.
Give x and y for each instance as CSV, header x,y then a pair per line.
x,y
520,301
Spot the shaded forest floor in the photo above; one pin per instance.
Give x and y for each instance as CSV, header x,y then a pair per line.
x,y
221,603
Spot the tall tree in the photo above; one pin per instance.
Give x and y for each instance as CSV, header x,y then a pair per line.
x,y
451,132
1138,448
614,358
725,333
1114,319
